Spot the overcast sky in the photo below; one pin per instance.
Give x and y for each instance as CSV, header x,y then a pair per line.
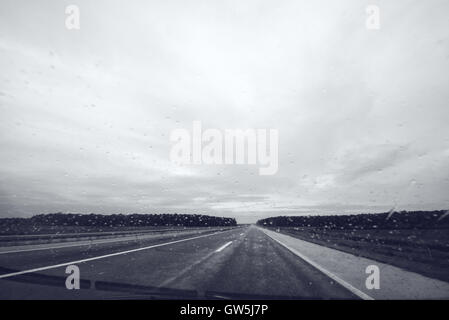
x,y
86,115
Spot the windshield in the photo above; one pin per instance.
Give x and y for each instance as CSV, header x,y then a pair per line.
x,y
224,150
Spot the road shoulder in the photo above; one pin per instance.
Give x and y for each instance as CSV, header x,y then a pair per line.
x,y
395,283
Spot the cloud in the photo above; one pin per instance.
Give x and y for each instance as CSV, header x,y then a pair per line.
x,y
85,116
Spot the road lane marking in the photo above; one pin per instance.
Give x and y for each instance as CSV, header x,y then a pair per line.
x,y
223,246
175,278
8,275
334,277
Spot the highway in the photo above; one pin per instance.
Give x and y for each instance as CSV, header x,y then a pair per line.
x,y
237,263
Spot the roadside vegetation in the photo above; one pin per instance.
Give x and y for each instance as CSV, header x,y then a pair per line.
x,y
416,241
72,223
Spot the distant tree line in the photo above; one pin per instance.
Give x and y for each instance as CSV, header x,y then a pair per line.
x,y
387,220
120,220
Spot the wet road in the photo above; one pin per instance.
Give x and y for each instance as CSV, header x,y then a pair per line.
x,y
237,263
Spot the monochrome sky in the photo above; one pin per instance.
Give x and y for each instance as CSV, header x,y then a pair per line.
x,y
86,115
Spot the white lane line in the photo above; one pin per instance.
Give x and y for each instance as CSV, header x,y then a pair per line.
x,y
242,234
337,279
169,281
8,275
223,246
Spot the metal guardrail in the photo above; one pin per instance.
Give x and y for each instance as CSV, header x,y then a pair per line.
x,y
51,238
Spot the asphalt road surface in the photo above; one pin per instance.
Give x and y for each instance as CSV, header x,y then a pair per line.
x,y
236,264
